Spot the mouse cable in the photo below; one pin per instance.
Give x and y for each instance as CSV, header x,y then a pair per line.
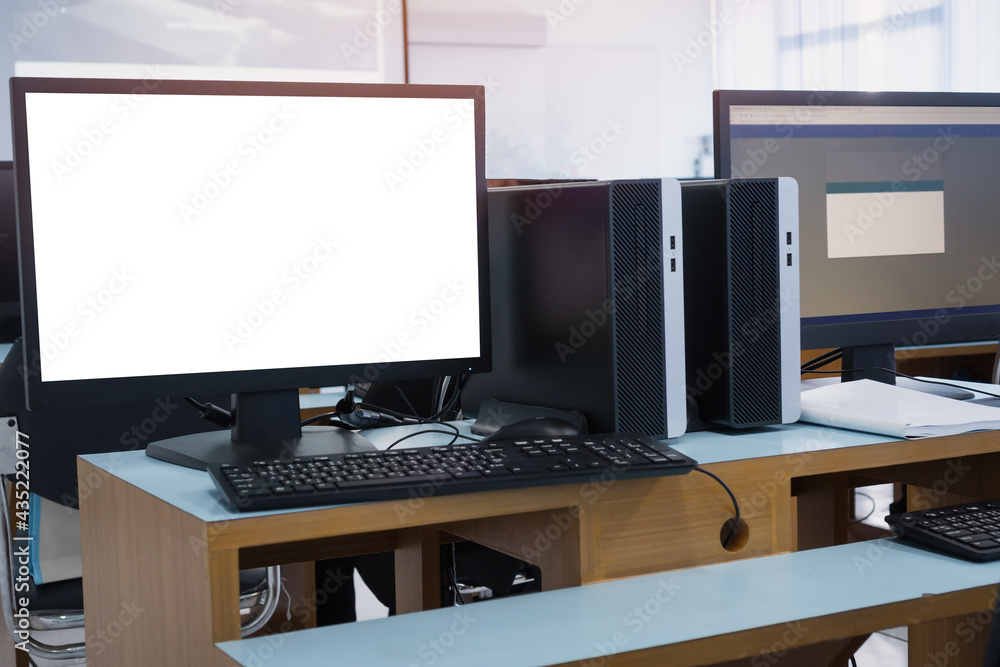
x,y
718,479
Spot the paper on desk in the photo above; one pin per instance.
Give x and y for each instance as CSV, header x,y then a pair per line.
x,y
876,407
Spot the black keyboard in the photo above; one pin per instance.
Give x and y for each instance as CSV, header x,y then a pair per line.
x,y
970,531
461,468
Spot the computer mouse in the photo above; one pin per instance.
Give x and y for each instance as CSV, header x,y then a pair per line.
x,y
535,427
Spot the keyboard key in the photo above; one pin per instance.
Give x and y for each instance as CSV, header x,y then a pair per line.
x,y
986,544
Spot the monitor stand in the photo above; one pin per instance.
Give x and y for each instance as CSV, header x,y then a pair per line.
x,y
869,362
266,428
996,377
868,359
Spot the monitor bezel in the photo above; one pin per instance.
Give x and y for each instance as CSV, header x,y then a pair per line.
x,y
9,307
900,329
126,389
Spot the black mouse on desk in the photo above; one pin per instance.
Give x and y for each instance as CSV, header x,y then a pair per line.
x,y
535,427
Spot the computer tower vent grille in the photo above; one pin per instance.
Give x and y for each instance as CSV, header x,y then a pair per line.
x,y
637,280
755,308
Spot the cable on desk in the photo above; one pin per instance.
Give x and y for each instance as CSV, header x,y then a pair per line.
x,y
412,417
364,415
813,366
332,416
380,416
456,435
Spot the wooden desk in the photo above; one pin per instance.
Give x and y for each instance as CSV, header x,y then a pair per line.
x,y
161,553
762,611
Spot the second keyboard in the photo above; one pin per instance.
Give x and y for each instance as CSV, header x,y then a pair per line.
x,y
419,472
969,530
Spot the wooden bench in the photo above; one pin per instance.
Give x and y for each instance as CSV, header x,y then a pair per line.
x,y
817,605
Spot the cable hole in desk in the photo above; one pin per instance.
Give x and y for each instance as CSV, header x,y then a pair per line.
x,y
734,535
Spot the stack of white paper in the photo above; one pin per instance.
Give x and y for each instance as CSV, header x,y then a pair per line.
x,y
876,407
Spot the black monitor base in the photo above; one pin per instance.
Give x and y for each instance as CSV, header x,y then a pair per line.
x,y
199,450
869,362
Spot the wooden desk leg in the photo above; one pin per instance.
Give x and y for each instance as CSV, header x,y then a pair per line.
x,y
224,578
418,570
959,641
956,641
154,591
822,510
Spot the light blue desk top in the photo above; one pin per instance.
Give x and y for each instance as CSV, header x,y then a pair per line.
x,y
193,492
4,349
582,623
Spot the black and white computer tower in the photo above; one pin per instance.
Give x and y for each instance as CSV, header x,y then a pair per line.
x,y
587,288
742,301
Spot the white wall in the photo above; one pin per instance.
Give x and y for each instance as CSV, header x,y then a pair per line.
x,y
580,88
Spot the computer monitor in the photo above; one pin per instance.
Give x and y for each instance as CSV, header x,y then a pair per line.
x,y
248,238
10,298
898,199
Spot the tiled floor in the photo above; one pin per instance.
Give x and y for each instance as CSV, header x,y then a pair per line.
x,y
884,649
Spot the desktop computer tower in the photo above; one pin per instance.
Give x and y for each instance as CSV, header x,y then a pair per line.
x,y
587,298
741,296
